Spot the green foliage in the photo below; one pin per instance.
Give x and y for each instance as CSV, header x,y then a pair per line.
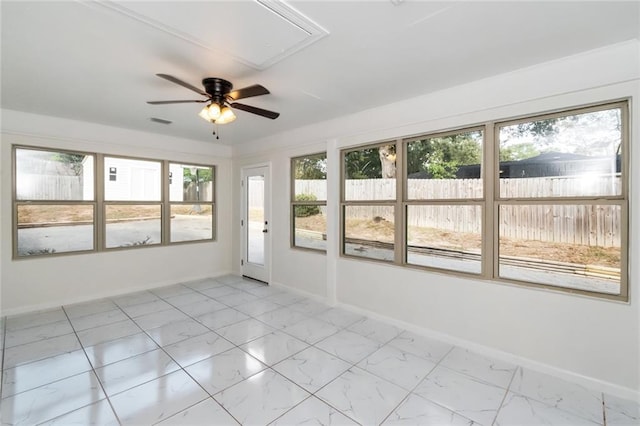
x,y
520,151
526,140
73,160
441,157
310,167
306,210
363,164
541,128
205,174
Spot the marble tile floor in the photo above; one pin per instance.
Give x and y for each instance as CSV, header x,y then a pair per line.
x,y
230,351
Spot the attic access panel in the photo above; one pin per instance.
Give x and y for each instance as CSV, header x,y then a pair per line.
x,y
256,33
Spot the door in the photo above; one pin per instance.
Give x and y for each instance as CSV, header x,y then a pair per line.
x,y
256,245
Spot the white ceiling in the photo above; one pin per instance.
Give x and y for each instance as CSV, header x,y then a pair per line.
x,y
96,61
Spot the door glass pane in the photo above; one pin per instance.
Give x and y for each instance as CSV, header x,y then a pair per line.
x,y
130,225
369,231
48,229
370,174
255,218
575,155
447,237
50,175
445,167
574,246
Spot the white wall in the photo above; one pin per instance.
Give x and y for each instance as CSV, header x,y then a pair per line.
x,y
305,268
593,341
30,284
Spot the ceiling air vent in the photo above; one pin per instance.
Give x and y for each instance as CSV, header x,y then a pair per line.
x,y
160,120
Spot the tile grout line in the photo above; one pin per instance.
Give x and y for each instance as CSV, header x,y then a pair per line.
x,y
418,384
4,336
176,362
93,370
313,394
340,328
269,367
515,371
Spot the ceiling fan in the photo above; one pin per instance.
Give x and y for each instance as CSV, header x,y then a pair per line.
x,y
220,98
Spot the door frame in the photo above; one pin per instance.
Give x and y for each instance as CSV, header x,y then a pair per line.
x,y
244,173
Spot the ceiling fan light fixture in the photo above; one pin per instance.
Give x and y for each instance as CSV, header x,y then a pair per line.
x,y
204,113
213,111
226,116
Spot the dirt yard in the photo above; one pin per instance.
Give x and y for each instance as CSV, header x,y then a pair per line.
x,y
376,230
382,230
84,213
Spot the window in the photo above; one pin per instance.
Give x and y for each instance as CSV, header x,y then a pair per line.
x,y
562,204
543,204
191,200
369,202
444,199
141,203
309,202
54,202
133,203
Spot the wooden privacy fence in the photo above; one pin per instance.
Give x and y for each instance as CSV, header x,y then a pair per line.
x,y
59,187
203,192
49,187
592,225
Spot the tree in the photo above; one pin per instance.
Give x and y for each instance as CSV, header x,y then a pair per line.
x,y
371,163
363,164
205,174
526,140
311,167
387,156
518,152
441,157
594,133
73,161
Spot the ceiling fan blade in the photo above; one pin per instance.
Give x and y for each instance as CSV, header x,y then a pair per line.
x,y
247,92
173,102
255,110
182,83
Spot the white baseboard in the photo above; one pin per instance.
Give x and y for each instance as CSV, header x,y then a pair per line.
x,y
107,294
313,296
586,381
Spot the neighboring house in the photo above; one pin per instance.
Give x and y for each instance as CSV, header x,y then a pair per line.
x,y
547,164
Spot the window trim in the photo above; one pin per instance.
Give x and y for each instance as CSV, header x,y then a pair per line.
x,y
166,211
491,200
15,202
99,204
395,202
622,200
293,203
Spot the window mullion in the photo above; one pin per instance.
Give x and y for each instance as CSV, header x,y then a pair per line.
x,y
399,210
101,223
490,218
165,223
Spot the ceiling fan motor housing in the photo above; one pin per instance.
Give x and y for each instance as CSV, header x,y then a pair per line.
x,y
217,88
